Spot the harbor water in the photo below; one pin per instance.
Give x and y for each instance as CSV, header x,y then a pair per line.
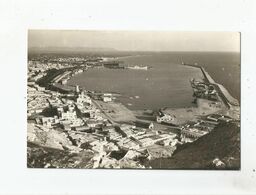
x,y
166,83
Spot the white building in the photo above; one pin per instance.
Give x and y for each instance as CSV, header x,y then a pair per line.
x,y
83,98
49,121
107,97
165,118
64,81
69,115
77,89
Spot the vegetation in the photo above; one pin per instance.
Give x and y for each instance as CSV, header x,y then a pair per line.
x,y
222,143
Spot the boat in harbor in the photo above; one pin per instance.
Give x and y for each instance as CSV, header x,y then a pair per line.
x,y
138,67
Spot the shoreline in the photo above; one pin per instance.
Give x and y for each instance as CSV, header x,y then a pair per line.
x,y
209,79
179,126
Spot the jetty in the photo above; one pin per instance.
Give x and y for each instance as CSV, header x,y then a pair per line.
x,y
226,97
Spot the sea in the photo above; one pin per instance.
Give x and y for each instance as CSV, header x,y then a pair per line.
x,y
167,82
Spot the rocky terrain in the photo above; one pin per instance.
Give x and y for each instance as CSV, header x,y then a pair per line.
x,y
220,149
57,149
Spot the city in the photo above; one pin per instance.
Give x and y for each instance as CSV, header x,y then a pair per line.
x,y
93,129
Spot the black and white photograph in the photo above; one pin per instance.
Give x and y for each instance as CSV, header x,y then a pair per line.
x,y
127,97
133,100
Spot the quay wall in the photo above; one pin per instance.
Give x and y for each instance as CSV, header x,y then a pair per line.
x,y
222,91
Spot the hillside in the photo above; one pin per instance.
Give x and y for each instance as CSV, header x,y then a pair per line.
x,y
223,143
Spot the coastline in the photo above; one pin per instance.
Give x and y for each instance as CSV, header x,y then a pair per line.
x,y
179,122
69,88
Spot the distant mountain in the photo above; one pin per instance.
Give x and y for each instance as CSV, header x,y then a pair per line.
x,y
69,49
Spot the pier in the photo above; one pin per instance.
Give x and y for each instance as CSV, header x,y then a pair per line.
x,y
227,99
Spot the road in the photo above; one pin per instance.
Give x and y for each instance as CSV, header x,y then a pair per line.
x,y
105,114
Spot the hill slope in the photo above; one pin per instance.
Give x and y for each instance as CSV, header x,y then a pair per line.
x,y
222,143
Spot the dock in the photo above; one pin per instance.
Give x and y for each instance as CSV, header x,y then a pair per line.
x,y
226,97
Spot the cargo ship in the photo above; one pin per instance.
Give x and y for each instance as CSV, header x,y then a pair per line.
x,y
138,67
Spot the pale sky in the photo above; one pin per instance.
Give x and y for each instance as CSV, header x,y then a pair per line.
x,y
137,40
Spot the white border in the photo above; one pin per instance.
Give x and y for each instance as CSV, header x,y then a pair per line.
x,y
16,17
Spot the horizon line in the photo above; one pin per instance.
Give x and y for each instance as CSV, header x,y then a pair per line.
x,y
108,49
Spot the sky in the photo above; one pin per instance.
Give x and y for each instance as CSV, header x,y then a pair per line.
x,y
137,40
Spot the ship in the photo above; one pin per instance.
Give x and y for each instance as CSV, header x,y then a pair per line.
x,y
138,67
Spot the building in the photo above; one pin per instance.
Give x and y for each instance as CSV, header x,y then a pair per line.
x,y
83,98
77,122
69,115
166,118
144,124
84,128
50,121
107,97
80,70
191,134
60,110
67,127
127,129
108,128
77,89
94,123
64,81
